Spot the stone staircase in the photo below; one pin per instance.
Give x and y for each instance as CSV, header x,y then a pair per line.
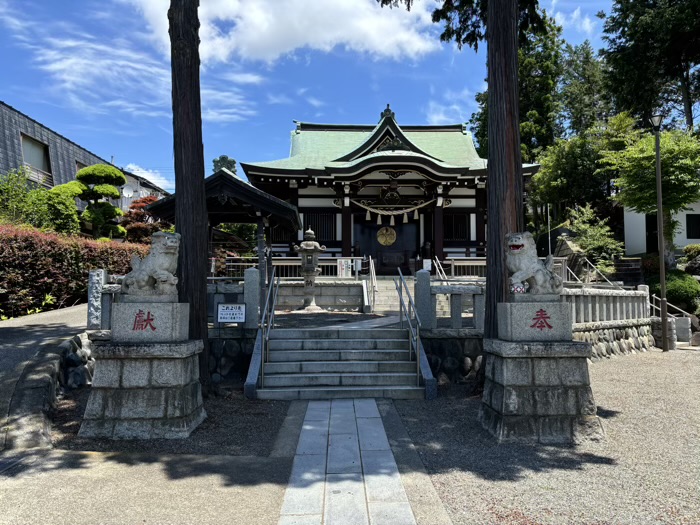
x,y
339,363
386,300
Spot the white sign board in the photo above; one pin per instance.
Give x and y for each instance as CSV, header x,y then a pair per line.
x,y
231,313
344,268
427,264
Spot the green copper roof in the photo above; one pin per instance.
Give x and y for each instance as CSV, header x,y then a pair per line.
x,y
318,146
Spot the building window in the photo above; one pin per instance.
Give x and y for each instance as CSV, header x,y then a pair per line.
x,y
79,166
456,227
692,225
36,158
322,224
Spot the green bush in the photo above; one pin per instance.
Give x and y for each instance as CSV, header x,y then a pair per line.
x,y
35,265
691,251
682,289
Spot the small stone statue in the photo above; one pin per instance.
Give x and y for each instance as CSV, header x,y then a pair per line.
x,y
528,269
155,273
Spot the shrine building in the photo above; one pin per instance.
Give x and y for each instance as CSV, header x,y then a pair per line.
x,y
395,193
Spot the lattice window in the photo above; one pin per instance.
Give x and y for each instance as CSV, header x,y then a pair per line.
x,y
323,225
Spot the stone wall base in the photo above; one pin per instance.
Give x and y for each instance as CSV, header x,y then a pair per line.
x,y
538,391
144,391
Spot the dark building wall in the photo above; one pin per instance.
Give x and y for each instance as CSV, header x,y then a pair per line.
x,y
63,153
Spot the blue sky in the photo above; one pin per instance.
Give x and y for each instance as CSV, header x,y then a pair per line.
x,y
98,71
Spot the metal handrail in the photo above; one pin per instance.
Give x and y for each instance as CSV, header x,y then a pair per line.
x,y
267,323
372,283
570,272
409,312
440,271
590,264
669,305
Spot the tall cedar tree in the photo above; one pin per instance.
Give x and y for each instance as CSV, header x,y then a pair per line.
x,y
653,56
190,204
466,23
539,73
584,98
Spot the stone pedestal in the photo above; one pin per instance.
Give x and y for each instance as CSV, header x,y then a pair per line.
x,y
144,391
146,382
537,386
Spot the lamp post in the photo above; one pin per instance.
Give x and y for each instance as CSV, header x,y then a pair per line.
x,y
656,124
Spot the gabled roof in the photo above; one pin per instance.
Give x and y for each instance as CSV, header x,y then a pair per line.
x,y
230,199
320,149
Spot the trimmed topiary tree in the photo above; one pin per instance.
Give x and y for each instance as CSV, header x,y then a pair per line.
x,y
94,185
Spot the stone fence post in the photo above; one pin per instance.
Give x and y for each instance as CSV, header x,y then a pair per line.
x,y
251,297
96,280
424,300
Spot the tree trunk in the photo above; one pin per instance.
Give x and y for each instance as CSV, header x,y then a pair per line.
x,y
505,180
190,204
687,102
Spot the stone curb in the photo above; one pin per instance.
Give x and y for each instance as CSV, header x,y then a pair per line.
x,y
29,426
425,503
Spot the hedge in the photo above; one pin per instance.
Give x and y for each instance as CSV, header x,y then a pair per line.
x,y
45,271
682,290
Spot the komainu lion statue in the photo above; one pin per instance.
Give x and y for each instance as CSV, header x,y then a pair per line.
x,y
155,273
523,263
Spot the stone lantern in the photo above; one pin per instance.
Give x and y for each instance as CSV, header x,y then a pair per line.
x,y
309,251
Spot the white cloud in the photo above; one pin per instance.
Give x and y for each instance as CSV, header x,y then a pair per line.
x,y
315,102
451,108
278,98
243,78
575,20
152,175
265,31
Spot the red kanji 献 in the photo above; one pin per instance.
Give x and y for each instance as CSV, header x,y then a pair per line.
x,y
540,319
143,321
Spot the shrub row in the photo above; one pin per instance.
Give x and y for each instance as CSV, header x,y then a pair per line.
x,y
47,270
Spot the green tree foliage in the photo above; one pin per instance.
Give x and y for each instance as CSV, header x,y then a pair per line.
x,y
572,171
636,182
540,70
225,161
465,20
584,99
38,207
653,55
138,222
594,236
94,185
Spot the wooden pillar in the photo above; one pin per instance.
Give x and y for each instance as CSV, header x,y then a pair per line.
x,y
438,232
481,217
346,231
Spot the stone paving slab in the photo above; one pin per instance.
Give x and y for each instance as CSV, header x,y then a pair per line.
x,y
343,454
372,435
344,471
345,500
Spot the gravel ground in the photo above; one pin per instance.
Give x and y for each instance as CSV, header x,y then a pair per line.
x,y
234,426
647,471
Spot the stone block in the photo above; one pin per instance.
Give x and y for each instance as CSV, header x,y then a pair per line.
x,y
102,351
150,322
171,372
108,373
586,403
518,402
534,322
555,429
556,401
144,403
516,372
136,373
588,428
96,428
516,428
574,372
95,407
133,429
546,372
537,349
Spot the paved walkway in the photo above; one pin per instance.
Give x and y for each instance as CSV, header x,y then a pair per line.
x,y
344,472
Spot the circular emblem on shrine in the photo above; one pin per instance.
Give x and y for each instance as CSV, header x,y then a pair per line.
x,y
386,236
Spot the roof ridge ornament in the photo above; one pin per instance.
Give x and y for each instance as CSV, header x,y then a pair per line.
x,y
392,145
387,113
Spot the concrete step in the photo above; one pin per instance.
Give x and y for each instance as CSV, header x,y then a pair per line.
x,y
347,367
392,392
341,333
338,344
290,356
307,380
